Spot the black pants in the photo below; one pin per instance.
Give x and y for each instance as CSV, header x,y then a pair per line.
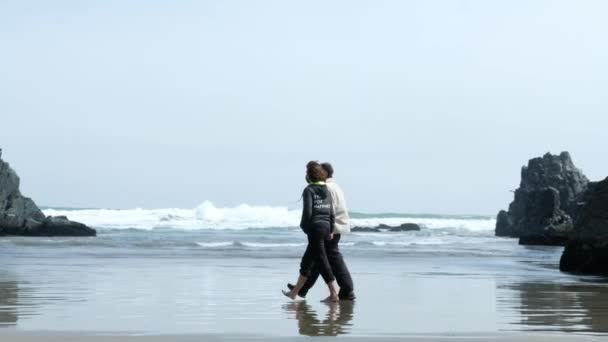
x,y
315,257
336,261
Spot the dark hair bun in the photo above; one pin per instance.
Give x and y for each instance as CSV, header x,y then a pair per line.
x,y
315,172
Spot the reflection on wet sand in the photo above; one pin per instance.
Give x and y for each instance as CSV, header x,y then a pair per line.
x,y
337,321
8,303
558,307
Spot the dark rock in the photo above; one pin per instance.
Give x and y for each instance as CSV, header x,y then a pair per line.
x,y
504,225
19,215
11,220
32,225
582,199
406,227
558,172
545,202
365,230
60,226
587,250
545,220
542,240
21,208
52,226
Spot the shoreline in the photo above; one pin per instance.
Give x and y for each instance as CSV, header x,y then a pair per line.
x,y
133,286
52,336
440,298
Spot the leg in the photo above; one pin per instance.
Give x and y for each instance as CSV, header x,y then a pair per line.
x,y
306,265
320,235
310,282
294,291
340,269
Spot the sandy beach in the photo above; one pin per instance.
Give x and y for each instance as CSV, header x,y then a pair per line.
x,y
52,337
82,293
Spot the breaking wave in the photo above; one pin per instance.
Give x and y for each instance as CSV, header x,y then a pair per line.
x,y
245,216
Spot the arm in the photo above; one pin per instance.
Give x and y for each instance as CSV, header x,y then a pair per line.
x,y
332,216
306,210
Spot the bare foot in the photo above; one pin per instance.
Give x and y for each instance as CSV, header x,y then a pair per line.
x,y
331,299
289,294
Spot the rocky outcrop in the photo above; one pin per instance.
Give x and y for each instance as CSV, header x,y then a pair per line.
x,y
548,223
52,226
406,227
365,230
546,201
504,224
587,250
19,215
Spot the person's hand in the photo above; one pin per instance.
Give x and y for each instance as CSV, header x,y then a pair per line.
x,y
331,236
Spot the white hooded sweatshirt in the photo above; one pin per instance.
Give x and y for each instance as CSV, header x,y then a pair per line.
x,y
342,224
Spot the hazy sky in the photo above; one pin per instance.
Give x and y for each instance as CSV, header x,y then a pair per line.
x,y
422,106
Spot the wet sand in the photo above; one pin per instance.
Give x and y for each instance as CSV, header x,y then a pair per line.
x,y
152,299
53,337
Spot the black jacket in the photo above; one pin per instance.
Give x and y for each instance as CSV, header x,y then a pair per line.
x,y
317,207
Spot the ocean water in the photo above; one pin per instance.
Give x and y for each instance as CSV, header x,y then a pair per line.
x,y
220,270
251,231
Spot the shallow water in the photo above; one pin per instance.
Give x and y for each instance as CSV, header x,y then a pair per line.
x,y
219,270
166,282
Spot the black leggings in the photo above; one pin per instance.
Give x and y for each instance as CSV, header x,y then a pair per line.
x,y
341,272
315,255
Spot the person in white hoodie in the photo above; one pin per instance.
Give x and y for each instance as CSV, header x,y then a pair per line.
x,y
341,226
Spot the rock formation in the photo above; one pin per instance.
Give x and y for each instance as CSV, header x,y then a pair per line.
x,y
19,215
406,227
365,230
544,212
546,202
587,250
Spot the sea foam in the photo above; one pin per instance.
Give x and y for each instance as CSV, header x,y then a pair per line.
x,y
244,216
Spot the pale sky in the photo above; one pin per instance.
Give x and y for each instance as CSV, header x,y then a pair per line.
x,y
422,106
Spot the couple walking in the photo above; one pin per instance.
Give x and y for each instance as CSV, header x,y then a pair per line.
x,y
324,219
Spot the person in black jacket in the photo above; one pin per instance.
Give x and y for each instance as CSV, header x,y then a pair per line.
x,y
336,260
317,222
